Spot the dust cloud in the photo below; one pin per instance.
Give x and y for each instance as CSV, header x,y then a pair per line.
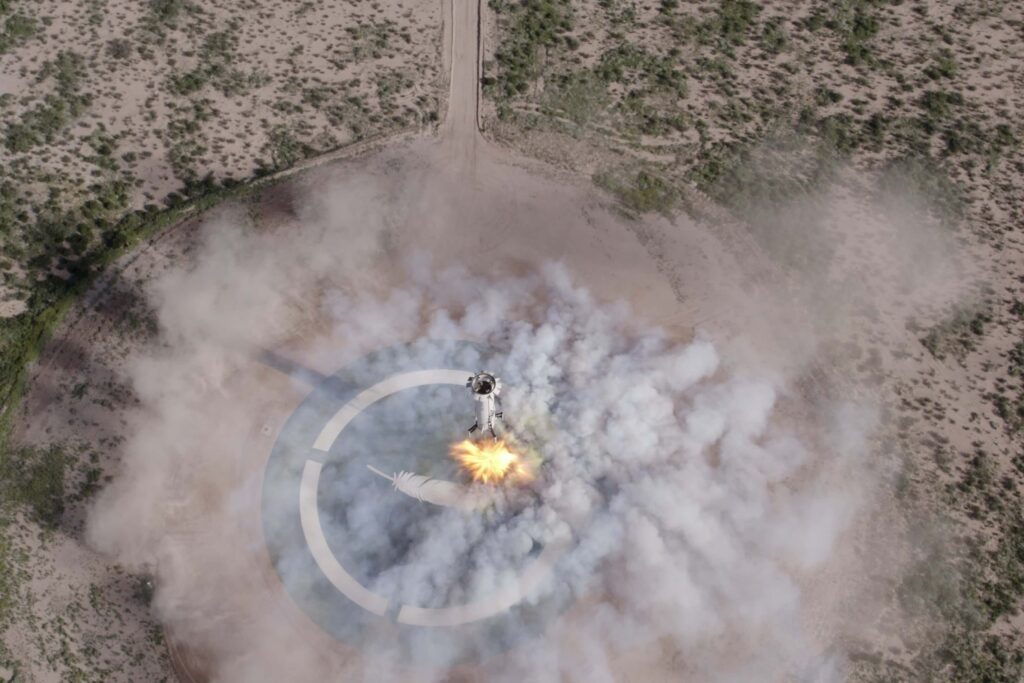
x,y
703,482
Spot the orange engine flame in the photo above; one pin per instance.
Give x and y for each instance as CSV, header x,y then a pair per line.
x,y
489,463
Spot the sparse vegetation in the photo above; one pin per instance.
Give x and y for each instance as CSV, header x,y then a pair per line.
x,y
15,27
35,478
1010,410
777,107
640,191
958,335
70,198
167,11
284,149
59,108
774,36
531,26
734,19
855,24
116,120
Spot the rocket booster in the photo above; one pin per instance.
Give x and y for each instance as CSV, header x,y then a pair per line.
x,y
485,388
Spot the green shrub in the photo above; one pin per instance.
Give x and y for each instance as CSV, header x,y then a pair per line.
x,y
42,123
1010,410
187,83
35,478
1016,358
532,24
943,66
938,104
838,134
658,73
922,179
972,657
580,97
14,30
120,49
855,24
774,36
734,18
642,191
166,11
957,335
19,26
284,148
824,96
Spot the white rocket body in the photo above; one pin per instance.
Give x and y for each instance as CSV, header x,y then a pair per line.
x,y
486,388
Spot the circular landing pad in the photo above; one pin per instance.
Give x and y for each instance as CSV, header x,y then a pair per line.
x,y
350,549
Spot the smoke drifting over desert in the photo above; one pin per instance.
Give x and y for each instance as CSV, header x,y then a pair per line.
x,y
705,485
698,472
536,340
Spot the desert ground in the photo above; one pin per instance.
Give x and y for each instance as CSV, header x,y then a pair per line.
x,y
829,192
115,106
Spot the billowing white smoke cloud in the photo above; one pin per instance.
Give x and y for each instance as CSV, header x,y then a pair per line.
x,y
698,507
697,497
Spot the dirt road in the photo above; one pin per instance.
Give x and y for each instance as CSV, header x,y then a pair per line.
x,y
460,133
